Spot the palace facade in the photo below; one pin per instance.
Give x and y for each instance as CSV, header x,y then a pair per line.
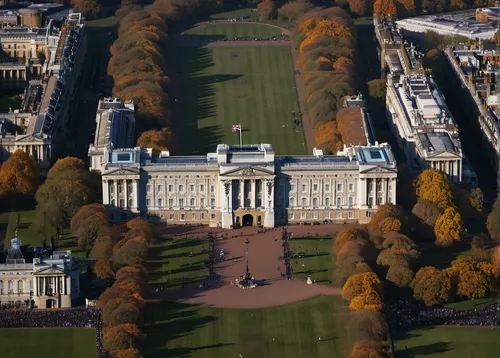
x,y
249,185
50,281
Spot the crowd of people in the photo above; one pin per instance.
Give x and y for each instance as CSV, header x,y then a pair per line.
x,y
297,119
79,317
287,254
404,313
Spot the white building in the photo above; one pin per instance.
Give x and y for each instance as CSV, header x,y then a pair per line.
x,y
449,25
424,127
115,128
48,282
249,185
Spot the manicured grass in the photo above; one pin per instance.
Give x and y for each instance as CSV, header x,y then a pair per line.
x,y
290,331
449,342
235,29
30,237
222,86
169,256
313,257
48,342
470,304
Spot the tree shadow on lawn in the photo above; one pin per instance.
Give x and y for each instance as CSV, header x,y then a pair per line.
x,y
168,320
198,100
434,348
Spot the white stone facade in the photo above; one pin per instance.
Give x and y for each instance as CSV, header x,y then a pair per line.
x,y
249,185
50,282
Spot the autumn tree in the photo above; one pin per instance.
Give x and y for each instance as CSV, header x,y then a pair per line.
x,y
449,227
371,349
432,286
360,283
90,224
115,312
104,270
405,7
398,250
385,7
371,325
475,279
266,10
128,353
102,249
433,185
158,140
91,9
427,212
400,275
19,176
67,188
351,257
377,226
359,7
121,337
328,138
132,252
346,235
139,227
292,10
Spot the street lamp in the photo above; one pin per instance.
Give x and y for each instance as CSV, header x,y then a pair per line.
x,y
248,272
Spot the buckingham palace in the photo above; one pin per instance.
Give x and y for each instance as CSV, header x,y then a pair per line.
x,y
248,185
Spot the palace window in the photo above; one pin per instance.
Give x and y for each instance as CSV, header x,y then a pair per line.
x,y
351,201
212,216
212,188
202,188
327,188
370,200
148,188
171,216
292,187
292,202
192,202
181,203
315,202
339,187
290,216
170,203
379,200
129,188
351,186
339,201
181,188
112,202
212,203
315,187
111,188
339,215
183,216
202,216
315,215
304,187
170,188
159,188
160,202
327,202
304,202
148,202
327,215
120,188
302,216
193,217
350,214
191,188
202,202
122,203
130,203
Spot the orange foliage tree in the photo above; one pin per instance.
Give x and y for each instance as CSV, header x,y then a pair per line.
x,y
359,7
346,235
103,269
474,278
449,227
360,283
369,300
266,9
433,185
328,138
371,349
90,224
432,286
385,7
158,140
19,175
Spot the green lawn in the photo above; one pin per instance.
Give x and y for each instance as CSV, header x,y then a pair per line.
x,y
248,15
30,237
222,86
289,331
470,304
167,255
234,29
313,257
450,342
48,342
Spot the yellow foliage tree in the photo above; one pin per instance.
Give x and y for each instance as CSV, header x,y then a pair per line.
x,y
369,300
433,185
475,279
449,227
385,7
389,224
20,174
361,283
432,286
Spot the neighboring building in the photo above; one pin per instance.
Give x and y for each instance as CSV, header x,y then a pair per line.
x,y
361,130
248,185
43,123
50,281
424,127
449,25
115,129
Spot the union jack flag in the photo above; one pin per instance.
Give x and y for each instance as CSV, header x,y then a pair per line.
x,y
236,127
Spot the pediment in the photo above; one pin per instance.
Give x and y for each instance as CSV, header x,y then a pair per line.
x,y
122,171
378,170
50,270
444,154
248,172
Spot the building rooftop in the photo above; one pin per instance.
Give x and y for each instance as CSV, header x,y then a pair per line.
x,y
438,142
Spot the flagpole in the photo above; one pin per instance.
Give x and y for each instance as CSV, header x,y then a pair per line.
x,y
241,142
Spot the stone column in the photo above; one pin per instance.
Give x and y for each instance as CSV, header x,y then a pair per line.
x,y
230,197
115,190
35,287
253,193
393,192
125,191
386,190
135,194
362,194
242,193
105,192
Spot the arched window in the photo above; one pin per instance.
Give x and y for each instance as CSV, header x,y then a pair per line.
x,y
112,202
191,202
339,201
11,286
327,201
1,287
129,203
31,284
315,202
20,286
304,202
